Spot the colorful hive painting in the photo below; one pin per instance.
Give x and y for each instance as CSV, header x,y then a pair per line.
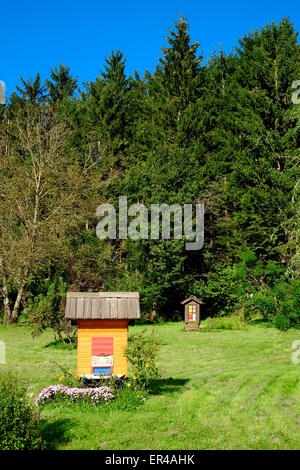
x,y
192,312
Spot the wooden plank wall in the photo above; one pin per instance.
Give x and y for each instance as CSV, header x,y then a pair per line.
x,y
88,329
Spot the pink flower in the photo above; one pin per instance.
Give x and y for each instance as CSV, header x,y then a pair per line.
x,y
95,395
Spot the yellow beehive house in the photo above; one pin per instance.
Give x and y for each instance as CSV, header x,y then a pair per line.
x,y
102,319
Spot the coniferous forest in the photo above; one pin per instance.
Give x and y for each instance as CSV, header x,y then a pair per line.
x,y
225,133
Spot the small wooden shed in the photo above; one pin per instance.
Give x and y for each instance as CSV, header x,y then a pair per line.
x,y
192,314
102,319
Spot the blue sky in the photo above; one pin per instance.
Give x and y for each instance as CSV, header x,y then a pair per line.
x,y
36,35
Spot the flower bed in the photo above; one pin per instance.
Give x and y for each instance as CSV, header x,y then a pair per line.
x,y
94,395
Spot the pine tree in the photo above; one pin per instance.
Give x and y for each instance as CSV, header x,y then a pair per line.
x,y
62,84
108,103
180,66
266,136
33,92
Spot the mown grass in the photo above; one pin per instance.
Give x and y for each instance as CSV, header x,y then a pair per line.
x,y
221,389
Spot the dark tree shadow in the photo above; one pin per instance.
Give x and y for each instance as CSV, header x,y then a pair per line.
x,y
56,432
262,322
61,345
167,386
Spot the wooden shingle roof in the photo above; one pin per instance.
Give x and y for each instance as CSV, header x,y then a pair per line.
x,y
102,305
194,298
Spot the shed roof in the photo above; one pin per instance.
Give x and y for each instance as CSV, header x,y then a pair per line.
x,y
102,305
192,298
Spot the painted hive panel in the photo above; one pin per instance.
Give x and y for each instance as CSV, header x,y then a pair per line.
x,y
102,346
102,371
102,355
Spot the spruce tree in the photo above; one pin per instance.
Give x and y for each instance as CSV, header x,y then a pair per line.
x,y
62,84
108,103
33,91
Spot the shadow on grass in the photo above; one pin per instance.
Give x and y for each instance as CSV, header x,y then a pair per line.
x,y
263,323
167,386
56,433
60,345
202,329
221,330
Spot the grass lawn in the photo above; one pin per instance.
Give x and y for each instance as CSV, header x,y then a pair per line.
x,y
227,389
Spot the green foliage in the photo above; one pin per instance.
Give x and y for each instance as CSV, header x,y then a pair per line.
x,y
32,92
264,304
281,322
63,85
142,353
129,398
19,423
221,291
280,304
108,103
223,323
46,310
226,134
68,377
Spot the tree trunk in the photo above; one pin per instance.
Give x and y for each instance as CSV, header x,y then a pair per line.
x,y
7,310
154,310
15,312
5,295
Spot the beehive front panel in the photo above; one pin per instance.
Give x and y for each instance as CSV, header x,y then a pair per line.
x,y
101,329
102,356
103,346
